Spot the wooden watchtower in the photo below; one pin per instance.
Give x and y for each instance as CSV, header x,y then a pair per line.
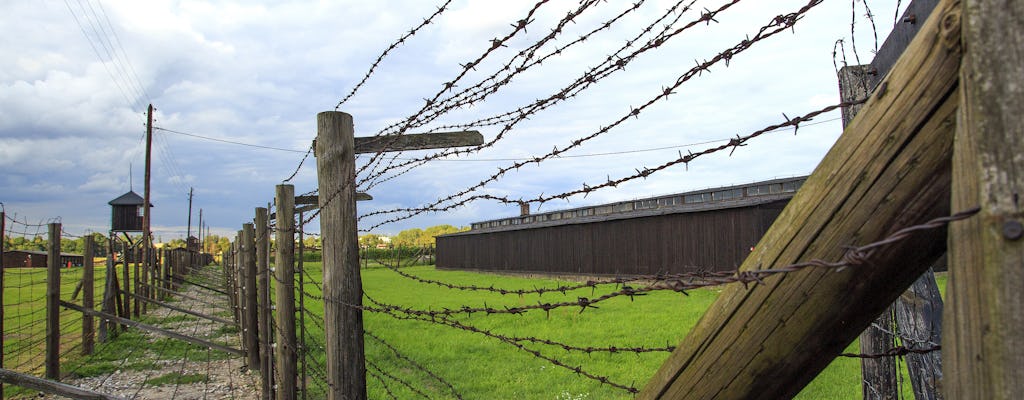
x,y
126,213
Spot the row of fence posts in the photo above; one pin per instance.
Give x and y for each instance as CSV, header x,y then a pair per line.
x,y
267,328
167,270
335,148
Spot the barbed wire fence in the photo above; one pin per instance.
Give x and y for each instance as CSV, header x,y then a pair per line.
x,y
379,167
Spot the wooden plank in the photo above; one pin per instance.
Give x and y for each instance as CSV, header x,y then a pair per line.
x,y
52,297
919,318
417,141
985,305
153,329
343,325
287,348
52,387
889,169
899,38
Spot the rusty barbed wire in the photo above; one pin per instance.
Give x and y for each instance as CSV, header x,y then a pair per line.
x,y
897,351
732,144
519,26
414,363
388,375
298,168
778,24
393,46
616,61
578,369
853,256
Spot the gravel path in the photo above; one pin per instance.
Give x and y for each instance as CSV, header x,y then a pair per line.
x,y
226,377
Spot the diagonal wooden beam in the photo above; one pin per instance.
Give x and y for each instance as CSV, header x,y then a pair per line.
x,y
153,329
52,387
890,169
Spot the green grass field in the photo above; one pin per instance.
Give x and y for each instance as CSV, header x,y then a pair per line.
x,y
483,367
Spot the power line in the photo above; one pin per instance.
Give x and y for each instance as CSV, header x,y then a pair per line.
x,y
228,141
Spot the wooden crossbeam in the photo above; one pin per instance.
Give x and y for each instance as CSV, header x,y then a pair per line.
x,y
153,329
890,169
52,387
417,141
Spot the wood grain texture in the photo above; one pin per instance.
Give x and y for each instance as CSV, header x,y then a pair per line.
x,y
890,169
417,141
985,308
343,325
284,264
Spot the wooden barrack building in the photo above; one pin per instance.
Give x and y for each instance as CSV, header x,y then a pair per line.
x,y
704,230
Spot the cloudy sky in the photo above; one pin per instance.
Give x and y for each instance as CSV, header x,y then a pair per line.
x,y
76,77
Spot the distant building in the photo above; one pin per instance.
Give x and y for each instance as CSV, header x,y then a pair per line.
x,y
703,230
38,259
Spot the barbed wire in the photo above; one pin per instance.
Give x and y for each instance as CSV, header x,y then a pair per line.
x,y
586,189
853,256
394,45
617,61
518,27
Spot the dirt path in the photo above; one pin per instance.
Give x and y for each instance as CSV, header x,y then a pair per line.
x,y
178,371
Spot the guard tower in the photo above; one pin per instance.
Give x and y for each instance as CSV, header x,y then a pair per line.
x,y
126,213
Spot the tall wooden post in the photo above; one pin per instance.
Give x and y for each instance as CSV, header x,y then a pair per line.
x,y
147,238
249,303
263,293
985,313
53,303
87,295
302,310
285,273
343,322
3,230
126,289
136,308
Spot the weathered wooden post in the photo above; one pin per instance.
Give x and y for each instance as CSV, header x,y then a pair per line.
x,y
53,303
87,295
889,170
285,272
335,150
136,284
302,309
984,316
262,250
343,291
3,230
127,288
249,303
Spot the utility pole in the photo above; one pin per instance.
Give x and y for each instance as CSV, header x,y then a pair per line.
x,y
199,234
146,236
188,232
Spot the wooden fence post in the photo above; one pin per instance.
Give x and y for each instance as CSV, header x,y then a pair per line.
x,y
3,271
88,288
889,170
53,303
343,321
249,302
262,249
985,313
302,309
126,289
136,306
284,266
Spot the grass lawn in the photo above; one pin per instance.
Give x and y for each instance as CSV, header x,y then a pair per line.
x,y
483,367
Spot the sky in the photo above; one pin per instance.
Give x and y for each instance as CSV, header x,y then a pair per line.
x,y
76,77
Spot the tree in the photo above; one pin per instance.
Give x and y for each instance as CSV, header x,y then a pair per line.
x,y
370,240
